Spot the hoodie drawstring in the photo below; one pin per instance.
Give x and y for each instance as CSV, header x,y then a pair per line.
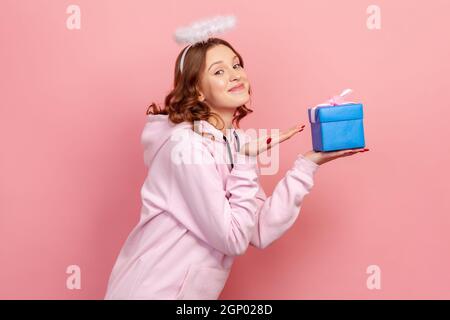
x,y
229,148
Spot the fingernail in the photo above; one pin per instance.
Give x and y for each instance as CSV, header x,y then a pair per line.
x,y
268,140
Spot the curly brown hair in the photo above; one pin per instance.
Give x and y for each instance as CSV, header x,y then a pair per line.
x,y
182,103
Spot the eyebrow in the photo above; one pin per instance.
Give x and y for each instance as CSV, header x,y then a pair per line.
x,y
219,62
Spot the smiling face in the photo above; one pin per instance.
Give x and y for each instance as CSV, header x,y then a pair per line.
x,y
222,72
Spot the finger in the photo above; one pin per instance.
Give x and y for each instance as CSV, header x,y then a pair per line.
x,y
349,152
338,154
335,154
291,131
259,145
361,150
274,140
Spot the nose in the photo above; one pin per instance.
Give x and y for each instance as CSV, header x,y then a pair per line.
x,y
235,75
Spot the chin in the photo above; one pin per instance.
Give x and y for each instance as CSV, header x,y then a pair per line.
x,y
245,101
234,102
239,101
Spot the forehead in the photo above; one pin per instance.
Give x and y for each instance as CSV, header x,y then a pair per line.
x,y
217,53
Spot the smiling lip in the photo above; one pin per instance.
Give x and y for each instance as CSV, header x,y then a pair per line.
x,y
238,88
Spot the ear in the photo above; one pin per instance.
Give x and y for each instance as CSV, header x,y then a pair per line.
x,y
201,96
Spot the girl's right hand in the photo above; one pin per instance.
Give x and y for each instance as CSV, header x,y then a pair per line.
x,y
259,145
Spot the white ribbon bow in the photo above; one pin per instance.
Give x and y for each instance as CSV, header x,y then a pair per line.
x,y
334,101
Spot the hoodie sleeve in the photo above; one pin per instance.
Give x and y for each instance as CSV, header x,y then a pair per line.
x,y
199,201
277,213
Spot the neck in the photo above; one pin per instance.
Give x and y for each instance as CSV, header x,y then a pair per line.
x,y
227,117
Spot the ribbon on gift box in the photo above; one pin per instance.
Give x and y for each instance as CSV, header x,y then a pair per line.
x,y
334,101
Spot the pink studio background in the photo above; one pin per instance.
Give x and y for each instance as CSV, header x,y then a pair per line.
x,y
73,106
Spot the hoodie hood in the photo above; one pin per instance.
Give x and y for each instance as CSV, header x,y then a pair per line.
x,y
158,129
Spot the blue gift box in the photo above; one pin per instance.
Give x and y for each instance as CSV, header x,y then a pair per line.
x,y
337,127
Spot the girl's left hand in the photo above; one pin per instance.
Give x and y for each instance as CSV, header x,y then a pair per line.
x,y
323,157
259,145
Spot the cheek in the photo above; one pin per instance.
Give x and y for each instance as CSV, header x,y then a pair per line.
x,y
244,77
219,85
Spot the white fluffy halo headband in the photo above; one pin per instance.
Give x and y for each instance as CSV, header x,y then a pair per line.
x,y
201,30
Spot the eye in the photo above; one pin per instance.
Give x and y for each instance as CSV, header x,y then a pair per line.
x,y
237,64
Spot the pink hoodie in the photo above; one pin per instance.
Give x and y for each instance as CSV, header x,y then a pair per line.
x,y
196,217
